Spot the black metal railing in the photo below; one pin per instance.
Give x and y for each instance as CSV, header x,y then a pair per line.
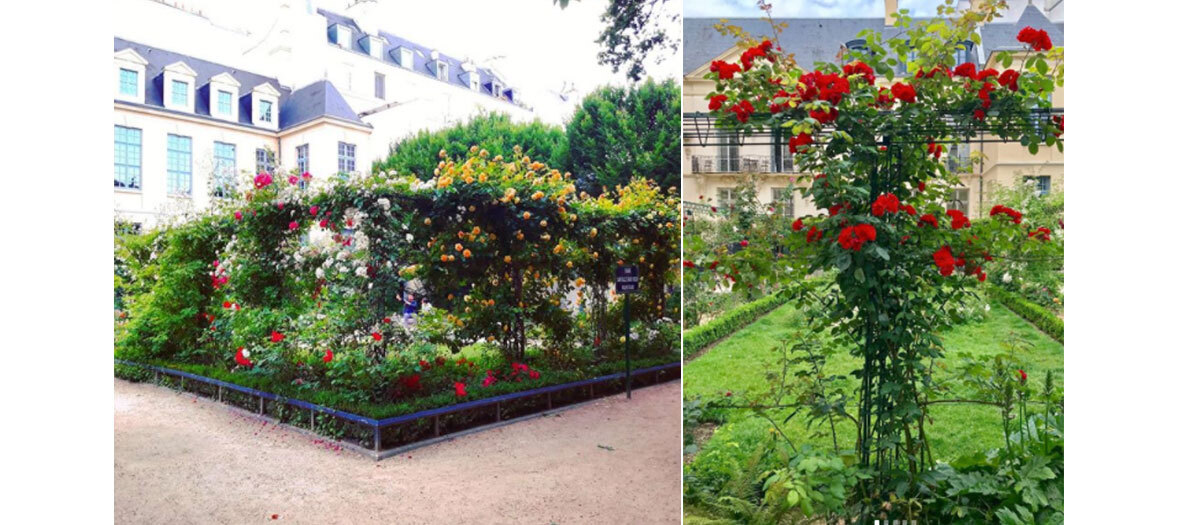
x,y
739,164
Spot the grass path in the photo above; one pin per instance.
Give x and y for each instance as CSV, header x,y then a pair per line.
x,y
739,364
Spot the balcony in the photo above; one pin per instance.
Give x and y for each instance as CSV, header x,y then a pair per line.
x,y
738,164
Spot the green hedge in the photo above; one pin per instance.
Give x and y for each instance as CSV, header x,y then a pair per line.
x,y
1031,312
701,336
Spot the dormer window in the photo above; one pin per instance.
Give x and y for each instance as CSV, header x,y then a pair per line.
x,y
340,35
179,93
497,89
857,45
180,84
405,57
373,44
967,54
265,100
130,69
474,81
223,96
440,70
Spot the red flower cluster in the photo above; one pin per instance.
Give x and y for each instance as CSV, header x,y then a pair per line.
x,y
460,389
887,203
853,237
946,261
814,234
716,101
1037,38
825,86
1059,120
909,209
240,358
798,224
757,51
934,149
801,139
689,264
825,117
262,180
412,382
966,69
1041,233
958,220
904,92
928,219
860,68
1010,79
742,110
884,98
1000,208
724,69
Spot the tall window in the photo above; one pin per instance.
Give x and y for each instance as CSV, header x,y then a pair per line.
x,y
225,166
958,159
264,160
727,159
440,70
128,156
783,161
264,110
128,82
784,202
179,93
225,102
379,85
180,165
346,157
301,161
1042,184
725,198
967,54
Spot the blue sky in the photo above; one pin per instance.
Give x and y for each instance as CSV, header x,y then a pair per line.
x,y
805,8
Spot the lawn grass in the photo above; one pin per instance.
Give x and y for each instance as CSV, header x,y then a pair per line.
x,y
739,364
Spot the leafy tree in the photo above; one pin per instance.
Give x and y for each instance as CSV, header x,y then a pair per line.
x,y
494,132
631,34
617,133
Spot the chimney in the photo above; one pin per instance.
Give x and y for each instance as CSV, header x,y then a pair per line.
x,y
890,12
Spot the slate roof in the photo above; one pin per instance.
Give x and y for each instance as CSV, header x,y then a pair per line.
x,y
422,58
315,100
815,40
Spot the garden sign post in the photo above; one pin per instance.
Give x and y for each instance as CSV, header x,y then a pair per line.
x,y
627,283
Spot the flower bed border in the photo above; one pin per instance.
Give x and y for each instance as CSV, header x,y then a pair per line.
x,y
1034,313
699,338
662,373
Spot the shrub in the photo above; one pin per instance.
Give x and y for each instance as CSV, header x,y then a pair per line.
x,y
1031,312
730,322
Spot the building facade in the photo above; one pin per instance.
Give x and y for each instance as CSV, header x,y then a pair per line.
x,y
320,92
715,172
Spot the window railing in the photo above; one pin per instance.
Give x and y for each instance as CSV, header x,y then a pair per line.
x,y
737,164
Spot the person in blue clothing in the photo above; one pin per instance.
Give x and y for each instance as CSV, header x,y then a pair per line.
x,y
411,308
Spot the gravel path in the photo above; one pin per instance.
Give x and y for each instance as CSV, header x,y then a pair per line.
x,y
182,459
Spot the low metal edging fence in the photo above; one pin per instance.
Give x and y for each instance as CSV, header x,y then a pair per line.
x,y
377,426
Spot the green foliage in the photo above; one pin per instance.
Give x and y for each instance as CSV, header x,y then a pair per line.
x,y
1047,321
301,289
494,132
730,322
1042,279
618,133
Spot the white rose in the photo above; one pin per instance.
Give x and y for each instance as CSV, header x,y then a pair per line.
x,y
384,203
1007,277
409,237
319,273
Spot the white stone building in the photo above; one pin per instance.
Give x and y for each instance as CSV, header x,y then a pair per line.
x,y
205,105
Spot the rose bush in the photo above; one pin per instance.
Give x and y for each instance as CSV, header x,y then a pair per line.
x,y
303,285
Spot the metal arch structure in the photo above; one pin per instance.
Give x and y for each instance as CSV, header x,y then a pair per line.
x,y
701,129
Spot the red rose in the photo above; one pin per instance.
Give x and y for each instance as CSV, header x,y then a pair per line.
x,y
1023,376
689,264
328,355
853,237
293,225
860,68
801,139
887,203
716,101
1010,79
958,220
798,224
904,92
314,210
921,188
814,234
979,114
824,117
240,358
966,69
276,337
1037,38
745,243
909,209
945,261
1041,233
1016,216
460,389
237,215
376,336
724,69
928,219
